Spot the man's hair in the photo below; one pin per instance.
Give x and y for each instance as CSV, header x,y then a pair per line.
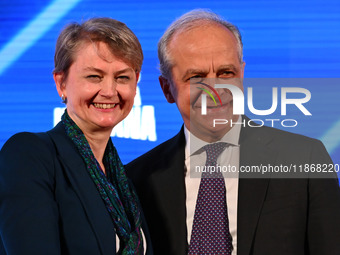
x,y
121,41
186,22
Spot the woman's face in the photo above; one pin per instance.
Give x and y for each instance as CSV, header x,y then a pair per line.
x,y
99,88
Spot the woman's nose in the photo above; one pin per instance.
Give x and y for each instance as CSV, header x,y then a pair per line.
x,y
109,88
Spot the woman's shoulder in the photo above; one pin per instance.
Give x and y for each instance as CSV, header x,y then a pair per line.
x,y
26,151
21,137
25,141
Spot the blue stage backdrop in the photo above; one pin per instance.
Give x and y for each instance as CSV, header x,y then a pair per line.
x,y
282,39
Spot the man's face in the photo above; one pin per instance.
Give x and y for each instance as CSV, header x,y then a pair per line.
x,y
207,51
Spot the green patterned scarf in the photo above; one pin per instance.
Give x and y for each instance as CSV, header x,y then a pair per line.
x,y
120,199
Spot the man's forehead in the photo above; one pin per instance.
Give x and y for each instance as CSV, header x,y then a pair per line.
x,y
197,55
200,27
212,37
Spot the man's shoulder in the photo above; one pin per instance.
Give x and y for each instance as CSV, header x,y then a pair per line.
x,y
161,154
265,134
285,147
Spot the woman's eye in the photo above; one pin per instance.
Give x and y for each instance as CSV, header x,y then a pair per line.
x,y
94,78
123,78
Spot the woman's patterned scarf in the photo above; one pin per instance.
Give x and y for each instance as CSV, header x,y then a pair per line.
x,y
120,199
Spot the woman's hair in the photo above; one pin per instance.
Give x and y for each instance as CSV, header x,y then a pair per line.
x,y
121,41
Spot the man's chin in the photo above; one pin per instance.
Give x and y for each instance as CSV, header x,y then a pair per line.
x,y
219,110
207,131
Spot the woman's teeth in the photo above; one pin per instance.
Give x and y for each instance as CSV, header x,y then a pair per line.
x,y
104,106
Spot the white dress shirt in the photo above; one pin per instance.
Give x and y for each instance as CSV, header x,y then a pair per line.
x,y
229,158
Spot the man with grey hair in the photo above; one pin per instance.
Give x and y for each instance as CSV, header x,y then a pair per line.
x,y
238,215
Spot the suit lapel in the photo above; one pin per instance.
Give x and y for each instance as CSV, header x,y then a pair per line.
x,y
75,170
252,188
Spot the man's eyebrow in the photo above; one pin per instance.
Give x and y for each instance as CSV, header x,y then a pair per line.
x,y
227,67
193,71
201,71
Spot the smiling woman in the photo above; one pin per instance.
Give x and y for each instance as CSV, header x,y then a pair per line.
x,y
65,191
99,89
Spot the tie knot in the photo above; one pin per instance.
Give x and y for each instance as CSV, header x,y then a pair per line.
x,y
213,151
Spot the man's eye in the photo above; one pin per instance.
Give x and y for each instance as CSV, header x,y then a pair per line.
x,y
194,77
226,74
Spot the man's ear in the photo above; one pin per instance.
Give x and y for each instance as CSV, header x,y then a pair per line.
x,y
242,66
59,83
166,87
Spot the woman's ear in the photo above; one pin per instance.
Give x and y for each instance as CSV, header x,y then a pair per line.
x,y
138,76
166,87
59,82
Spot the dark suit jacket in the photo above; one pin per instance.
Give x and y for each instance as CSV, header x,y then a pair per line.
x,y
275,216
48,202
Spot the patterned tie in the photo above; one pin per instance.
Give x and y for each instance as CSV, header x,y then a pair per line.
x,y
210,231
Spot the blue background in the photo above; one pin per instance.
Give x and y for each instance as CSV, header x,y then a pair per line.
x,y
282,39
